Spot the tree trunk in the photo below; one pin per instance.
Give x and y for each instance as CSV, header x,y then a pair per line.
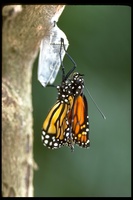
x,y
23,28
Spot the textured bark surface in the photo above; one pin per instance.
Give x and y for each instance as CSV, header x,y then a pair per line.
x,y
22,32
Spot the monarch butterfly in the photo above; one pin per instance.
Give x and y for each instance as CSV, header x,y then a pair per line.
x,y
67,123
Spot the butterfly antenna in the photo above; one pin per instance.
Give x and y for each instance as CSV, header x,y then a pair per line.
x,y
104,117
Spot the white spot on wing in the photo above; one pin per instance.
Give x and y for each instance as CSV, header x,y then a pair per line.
x,y
46,141
43,132
42,137
47,136
55,144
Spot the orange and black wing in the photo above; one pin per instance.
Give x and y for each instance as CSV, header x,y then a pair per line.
x,y
79,120
54,126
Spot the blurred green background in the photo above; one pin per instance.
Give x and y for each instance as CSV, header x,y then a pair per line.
x,y
100,44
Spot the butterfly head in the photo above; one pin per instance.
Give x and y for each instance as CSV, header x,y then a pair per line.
x,y
73,86
77,83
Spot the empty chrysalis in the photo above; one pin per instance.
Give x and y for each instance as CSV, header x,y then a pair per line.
x,y
49,59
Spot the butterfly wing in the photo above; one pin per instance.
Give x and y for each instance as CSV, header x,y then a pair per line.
x,y
53,132
79,119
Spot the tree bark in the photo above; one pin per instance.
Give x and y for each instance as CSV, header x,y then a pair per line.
x,y
22,32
